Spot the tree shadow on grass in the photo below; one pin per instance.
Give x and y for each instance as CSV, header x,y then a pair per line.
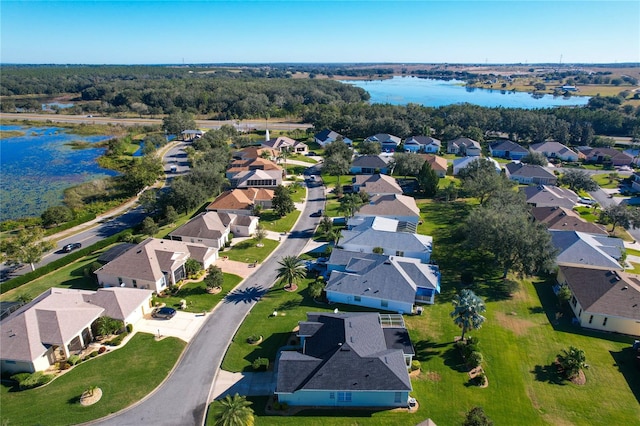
x,y
190,291
548,374
289,304
453,360
630,369
268,348
426,349
247,295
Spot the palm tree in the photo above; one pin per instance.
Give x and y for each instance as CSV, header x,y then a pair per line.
x,y
466,312
291,270
572,361
234,411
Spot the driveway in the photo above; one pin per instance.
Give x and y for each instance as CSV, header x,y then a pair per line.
x,y
184,325
249,384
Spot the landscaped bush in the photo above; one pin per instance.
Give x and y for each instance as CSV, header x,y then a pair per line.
x,y
260,362
32,380
253,339
475,359
74,359
479,380
102,349
93,354
116,341
129,328
415,365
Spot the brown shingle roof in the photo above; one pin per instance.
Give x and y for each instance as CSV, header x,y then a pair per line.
x,y
437,163
390,205
564,219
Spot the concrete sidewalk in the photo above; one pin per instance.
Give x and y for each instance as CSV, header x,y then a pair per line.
x,y
249,384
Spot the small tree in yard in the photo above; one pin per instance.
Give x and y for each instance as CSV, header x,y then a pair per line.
x,y
214,278
477,417
149,226
192,267
315,289
291,270
260,233
467,310
579,180
282,202
564,295
572,361
28,246
234,411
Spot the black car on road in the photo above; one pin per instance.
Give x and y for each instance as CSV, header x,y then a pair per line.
x,y
71,247
165,313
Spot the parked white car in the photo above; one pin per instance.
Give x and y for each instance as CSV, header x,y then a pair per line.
x,y
586,200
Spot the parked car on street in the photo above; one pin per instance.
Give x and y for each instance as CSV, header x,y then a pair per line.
x,y
71,247
164,313
586,200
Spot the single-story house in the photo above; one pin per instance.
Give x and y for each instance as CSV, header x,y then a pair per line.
x,y
582,250
370,164
242,200
189,135
390,283
463,163
394,206
634,153
555,150
256,179
530,174
605,300
563,219
251,152
422,144
364,234
58,322
347,359
605,155
507,149
388,143
284,142
376,184
550,196
438,164
212,228
464,146
327,136
154,264
259,163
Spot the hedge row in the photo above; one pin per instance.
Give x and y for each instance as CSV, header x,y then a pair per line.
x,y
57,264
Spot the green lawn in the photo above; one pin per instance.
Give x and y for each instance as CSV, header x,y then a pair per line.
x,y
587,213
198,300
272,222
298,193
248,252
604,181
519,341
125,376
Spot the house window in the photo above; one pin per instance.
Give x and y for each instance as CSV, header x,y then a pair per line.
x,y
384,303
574,301
399,253
332,395
605,321
580,313
398,398
135,284
357,298
119,280
344,396
590,319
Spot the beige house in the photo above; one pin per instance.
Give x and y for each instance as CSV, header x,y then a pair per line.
x,y
57,324
154,264
212,228
282,142
256,179
603,300
259,163
242,200
395,206
438,164
376,184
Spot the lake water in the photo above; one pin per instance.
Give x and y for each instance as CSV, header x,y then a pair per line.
x,y
36,168
435,93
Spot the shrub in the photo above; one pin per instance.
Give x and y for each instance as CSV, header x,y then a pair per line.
x,y
20,377
116,341
277,406
74,359
480,379
284,406
93,354
129,328
102,349
254,338
32,380
260,362
475,359
415,365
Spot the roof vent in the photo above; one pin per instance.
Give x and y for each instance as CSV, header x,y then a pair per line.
x,y
139,251
626,287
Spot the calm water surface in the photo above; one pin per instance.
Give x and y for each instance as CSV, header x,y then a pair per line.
x,y
435,93
36,168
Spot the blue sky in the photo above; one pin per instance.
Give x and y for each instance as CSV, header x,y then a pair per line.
x,y
153,32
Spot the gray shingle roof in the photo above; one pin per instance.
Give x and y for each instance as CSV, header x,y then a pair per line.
x,y
507,145
579,248
549,196
347,352
528,170
402,241
390,205
369,161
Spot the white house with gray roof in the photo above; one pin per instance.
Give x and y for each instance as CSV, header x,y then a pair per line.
x,y
213,228
555,150
530,174
388,143
57,323
327,136
464,146
390,283
579,249
462,163
550,196
394,206
422,144
347,359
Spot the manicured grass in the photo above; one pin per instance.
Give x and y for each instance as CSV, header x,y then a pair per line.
x,y
633,252
272,222
635,269
587,213
446,181
196,296
298,193
248,252
125,376
603,181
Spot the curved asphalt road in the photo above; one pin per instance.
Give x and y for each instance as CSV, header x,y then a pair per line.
x,y
183,398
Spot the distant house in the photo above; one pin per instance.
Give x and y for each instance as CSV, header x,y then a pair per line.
x,y
390,283
327,136
212,228
376,184
369,164
388,143
347,359
284,142
555,150
253,152
242,201
464,146
189,135
256,179
530,174
601,299
364,234
606,155
563,219
582,250
634,153
394,206
57,324
438,164
635,182
463,163
550,196
154,264
259,163
507,149
422,144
